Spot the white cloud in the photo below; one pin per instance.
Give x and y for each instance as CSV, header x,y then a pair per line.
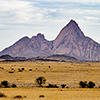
x,y
18,11
73,1
15,11
92,18
23,17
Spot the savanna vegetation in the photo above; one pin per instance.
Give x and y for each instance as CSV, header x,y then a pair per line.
x,y
50,80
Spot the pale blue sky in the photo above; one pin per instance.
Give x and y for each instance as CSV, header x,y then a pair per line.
x,y
19,18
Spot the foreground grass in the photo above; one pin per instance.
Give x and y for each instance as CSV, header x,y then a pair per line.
x,y
55,73
52,93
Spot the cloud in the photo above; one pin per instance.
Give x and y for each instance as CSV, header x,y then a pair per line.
x,y
25,17
15,11
28,12
92,18
22,14
73,1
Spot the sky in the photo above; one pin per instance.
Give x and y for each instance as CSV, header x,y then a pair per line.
x,y
19,18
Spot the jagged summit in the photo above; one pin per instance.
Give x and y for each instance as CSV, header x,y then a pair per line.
x,y
70,32
72,28
71,41
26,38
72,22
39,36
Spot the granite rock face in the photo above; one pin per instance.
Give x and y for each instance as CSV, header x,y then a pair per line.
x,y
30,47
71,41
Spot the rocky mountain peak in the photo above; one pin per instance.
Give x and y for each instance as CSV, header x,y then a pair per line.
x,y
72,29
72,23
71,42
26,38
39,36
70,32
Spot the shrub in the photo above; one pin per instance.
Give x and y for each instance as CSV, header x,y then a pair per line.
x,y
2,95
90,84
19,70
40,80
67,87
23,68
63,85
18,97
11,72
49,67
52,86
13,85
42,96
30,69
83,84
4,83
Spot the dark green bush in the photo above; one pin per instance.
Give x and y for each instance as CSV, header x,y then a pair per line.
x,y
52,86
90,84
49,67
13,85
4,83
42,96
19,70
63,85
11,72
23,68
83,84
40,80
30,69
18,97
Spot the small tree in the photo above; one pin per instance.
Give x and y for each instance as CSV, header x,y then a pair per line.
x,y
90,84
23,68
83,84
5,83
40,80
63,85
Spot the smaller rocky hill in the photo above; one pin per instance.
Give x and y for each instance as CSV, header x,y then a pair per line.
x,y
62,58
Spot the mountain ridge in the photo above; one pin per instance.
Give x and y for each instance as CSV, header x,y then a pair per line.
x,y
71,41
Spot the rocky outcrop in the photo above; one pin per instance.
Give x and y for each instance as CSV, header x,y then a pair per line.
x,y
71,41
26,47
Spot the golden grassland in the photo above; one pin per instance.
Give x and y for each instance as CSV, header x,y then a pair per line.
x,y
52,93
55,73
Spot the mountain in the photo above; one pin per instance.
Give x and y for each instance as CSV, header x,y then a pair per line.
x,y
61,58
71,41
6,57
10,58
30,47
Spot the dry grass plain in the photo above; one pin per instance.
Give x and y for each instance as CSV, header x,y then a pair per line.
x,y
55,73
